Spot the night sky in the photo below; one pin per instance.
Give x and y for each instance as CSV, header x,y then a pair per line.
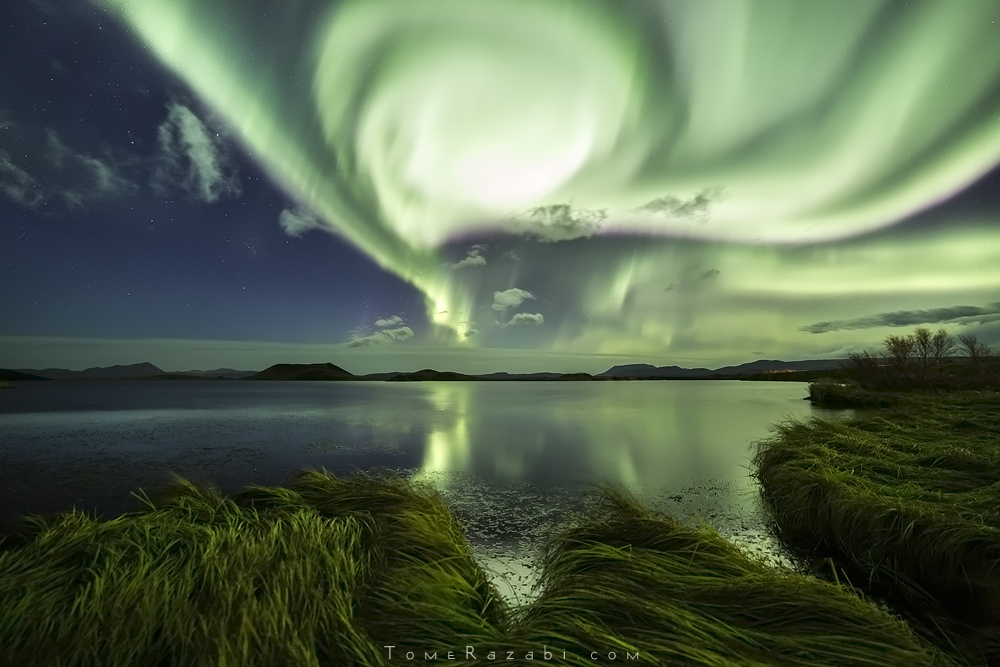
x,y
518,185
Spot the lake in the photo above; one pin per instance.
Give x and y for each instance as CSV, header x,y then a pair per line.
x,y
514,459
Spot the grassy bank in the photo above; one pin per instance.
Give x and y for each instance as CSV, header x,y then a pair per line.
x,y
906,501
331,571
834,394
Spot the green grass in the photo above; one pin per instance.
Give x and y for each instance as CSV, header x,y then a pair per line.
x,y
907,502
332,570
835,394
323,573
632,581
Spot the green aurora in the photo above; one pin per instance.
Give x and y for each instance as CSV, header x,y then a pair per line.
x,y
703,179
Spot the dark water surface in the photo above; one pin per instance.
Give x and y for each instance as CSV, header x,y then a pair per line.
x,y
514,458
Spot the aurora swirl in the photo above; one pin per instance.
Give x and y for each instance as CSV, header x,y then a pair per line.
x,y
409,127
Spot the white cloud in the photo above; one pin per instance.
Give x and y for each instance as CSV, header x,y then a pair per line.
x,y
391,330
471,260
533,319
298,221
511,298
381,337
193,158
37,170
473,257
395,320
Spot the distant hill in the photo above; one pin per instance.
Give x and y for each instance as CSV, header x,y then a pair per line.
x,y
759,367
650,371
129,372
520,376
431,375
216,373
774,366
303,372
381,376
10,376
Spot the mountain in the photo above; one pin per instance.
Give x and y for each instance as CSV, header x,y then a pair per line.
x,y
304,372
504,376
760,367
766,369
774,366
381,376
120,372
129,372
216,373
650,371
9,376
431,375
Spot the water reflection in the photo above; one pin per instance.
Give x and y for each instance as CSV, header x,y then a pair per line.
x,y
636,435
639,435
510,458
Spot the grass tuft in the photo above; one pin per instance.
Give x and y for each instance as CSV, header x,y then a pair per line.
x,y
632,581
325,572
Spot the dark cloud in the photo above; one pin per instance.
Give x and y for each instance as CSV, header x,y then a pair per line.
x,y
697,207
37,171
710,274
902,318
557,222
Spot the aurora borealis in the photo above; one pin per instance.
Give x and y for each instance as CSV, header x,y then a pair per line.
x,y
527,183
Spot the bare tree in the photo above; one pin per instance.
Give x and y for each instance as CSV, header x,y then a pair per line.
x,y
932,351
865,368
899,359
905,361
979,353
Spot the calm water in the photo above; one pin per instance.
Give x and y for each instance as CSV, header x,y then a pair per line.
x,y
514,459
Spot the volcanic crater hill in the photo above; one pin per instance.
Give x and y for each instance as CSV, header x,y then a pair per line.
x,y
304,372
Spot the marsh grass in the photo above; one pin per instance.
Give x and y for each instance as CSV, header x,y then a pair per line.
x,y
322,573
907,502
631,581
331,570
